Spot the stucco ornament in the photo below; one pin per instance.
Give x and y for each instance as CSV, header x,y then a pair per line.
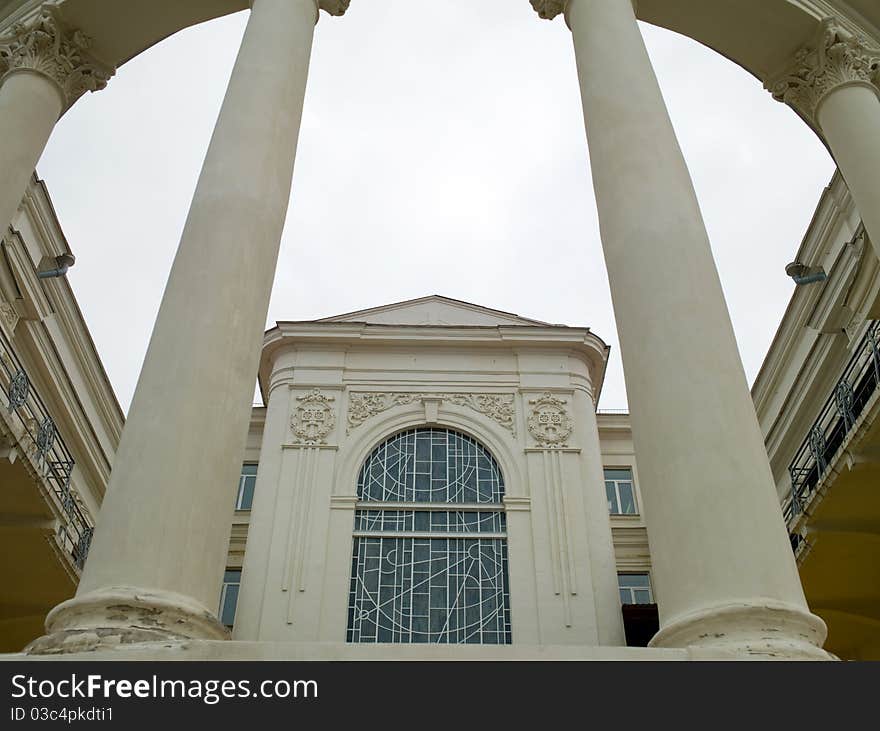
x,y
548,9
836,58
334,7
549,421
8,314
313,419
45,46
497,406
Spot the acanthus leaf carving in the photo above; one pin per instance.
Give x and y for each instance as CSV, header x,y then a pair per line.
x,y
837,57
548,9
497,406
549,422
334,7
45,46
313,419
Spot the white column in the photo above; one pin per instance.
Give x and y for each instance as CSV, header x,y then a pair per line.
x,y
44,68
724,570
833,85
159,552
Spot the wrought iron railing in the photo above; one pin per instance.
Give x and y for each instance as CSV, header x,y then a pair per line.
x,y
838,416
46,448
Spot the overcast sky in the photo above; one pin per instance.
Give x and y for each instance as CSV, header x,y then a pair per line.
x,y
442,151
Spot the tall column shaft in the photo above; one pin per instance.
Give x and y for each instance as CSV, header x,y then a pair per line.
x,y
833,85
723,567
850,120
44,68
162,536
30,104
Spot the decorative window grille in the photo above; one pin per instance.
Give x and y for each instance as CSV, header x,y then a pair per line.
x,y
430,544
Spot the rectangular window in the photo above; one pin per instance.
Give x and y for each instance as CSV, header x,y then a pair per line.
x,y
635,589
246,484
229,596
620,491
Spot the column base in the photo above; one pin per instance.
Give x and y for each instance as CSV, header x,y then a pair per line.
x,y
755,629
121,615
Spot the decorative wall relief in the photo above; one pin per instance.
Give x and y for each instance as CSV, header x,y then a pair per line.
x,y
313,419
549,421
497,406
8,314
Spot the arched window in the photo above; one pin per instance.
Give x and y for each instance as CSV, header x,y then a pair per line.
x,y
430,543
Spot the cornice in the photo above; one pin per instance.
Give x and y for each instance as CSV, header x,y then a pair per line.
x,y
823,226
63,303
358,333
579,342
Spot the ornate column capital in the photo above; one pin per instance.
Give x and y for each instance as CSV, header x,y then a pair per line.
x,y
334,7
45,46
835,58
548,9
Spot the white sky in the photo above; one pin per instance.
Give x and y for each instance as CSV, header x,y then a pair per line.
x,y
442,151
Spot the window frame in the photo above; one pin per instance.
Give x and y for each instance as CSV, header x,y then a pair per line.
x,y
457,528
632,589
616,482
241,487
224,593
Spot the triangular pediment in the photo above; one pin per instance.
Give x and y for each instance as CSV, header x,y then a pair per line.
x,y
434,310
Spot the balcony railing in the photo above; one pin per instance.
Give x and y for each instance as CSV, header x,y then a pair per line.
x,y
39,437
839,415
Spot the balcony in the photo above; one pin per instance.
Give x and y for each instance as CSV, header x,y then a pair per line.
x,y
45,532
833,510
836,422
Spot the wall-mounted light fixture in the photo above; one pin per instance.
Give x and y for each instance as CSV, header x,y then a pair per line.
x,y
802,274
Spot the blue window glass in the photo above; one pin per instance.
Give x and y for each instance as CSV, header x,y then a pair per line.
x,y
635,589
246,484
620,492
229,597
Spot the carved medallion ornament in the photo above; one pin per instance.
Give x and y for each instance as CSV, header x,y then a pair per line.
x,y
313,419
44,45
497,406
549,422
837,57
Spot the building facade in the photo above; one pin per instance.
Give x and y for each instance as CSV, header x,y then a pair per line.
x,y
547,544
725,579
370,418
817,401
59,423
